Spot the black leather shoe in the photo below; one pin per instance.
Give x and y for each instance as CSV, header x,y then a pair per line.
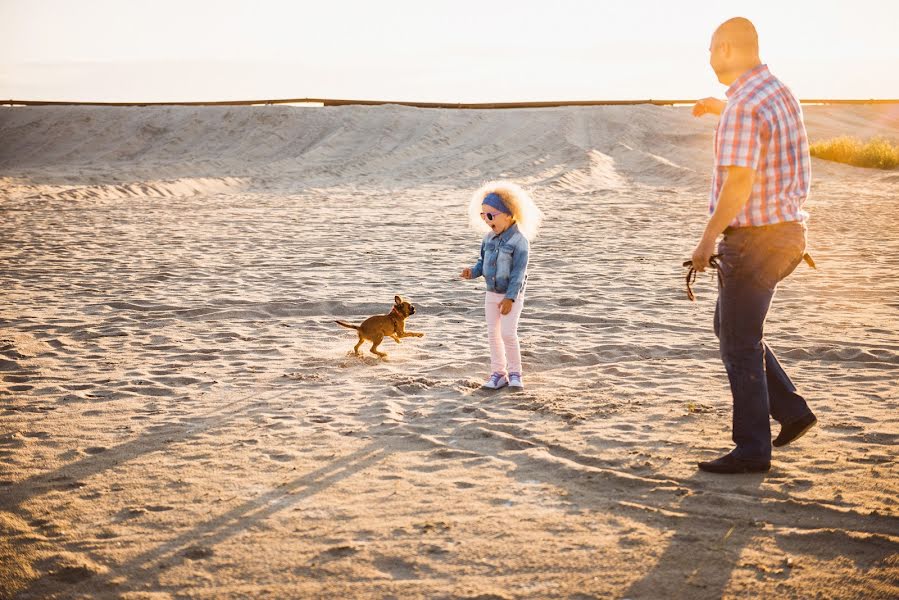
x,y
793,431
729,464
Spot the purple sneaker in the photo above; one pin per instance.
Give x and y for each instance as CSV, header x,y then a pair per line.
x,y
496,381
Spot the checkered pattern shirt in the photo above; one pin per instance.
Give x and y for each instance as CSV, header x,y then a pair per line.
x,y
761,128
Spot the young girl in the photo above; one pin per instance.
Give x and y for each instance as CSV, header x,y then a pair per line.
x,y
510,219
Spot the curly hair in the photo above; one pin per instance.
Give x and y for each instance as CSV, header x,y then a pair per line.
x,y
525,212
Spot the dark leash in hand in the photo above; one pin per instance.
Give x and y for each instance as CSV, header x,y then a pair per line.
x,y
691,275
714,263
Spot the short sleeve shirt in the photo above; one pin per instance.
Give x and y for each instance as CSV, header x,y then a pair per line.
x,y
761,128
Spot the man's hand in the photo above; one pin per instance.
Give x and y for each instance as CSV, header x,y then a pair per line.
x,y
505,306
733,197
702,253
708,106
466,273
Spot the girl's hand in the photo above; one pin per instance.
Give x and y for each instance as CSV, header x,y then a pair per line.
x,y
466,274
505,306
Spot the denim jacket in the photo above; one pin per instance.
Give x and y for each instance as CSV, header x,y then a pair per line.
x,y
504,262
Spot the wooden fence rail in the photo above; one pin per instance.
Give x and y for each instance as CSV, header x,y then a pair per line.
x,y
461,105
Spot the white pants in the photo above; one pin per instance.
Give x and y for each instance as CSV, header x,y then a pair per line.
x,y
502,333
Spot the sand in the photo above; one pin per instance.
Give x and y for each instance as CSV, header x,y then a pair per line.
x,y
181,418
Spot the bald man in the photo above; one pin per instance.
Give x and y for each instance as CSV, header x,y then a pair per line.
x,y
760,183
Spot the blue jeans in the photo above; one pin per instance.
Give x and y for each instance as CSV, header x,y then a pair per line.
x,y
753,260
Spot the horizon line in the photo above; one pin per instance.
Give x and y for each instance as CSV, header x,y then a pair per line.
x,y
450,105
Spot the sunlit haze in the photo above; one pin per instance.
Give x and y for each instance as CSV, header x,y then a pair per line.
x,y
461,51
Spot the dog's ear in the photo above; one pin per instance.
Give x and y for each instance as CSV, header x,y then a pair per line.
x,y
398,299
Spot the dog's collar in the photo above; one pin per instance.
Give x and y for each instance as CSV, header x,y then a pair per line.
x,y
395,311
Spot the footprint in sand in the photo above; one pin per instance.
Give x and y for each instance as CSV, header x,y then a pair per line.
x,y
73,574
283,457
64,482
40,522
464,485
198,552
397,568
428,468
799,484
436,551
132,512
13,440
336,552
321,419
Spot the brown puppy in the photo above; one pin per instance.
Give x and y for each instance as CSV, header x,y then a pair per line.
x,y
392,324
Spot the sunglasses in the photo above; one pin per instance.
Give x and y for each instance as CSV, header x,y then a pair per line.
x,y
490,216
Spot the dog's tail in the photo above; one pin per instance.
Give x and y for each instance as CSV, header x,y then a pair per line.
x,y
349,325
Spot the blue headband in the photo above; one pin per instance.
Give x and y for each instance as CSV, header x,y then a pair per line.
x,y
493,199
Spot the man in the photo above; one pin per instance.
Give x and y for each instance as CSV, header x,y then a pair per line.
x,y
761,180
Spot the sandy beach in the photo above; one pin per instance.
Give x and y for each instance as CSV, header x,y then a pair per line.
x,y
180,417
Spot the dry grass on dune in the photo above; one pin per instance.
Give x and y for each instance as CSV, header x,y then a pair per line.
x,y
876,153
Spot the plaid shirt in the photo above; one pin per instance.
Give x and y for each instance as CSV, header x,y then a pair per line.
x,y
761,128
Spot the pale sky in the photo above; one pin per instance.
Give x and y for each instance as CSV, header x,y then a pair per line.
x,y
459,51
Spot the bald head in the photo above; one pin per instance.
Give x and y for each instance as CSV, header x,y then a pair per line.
x,y
734,49
740,33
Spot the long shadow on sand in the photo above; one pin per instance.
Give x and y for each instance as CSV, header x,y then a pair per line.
x,y
67,476
709,520
200,540
707,523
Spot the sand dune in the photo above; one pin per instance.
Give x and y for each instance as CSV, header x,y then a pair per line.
x,y
180,416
